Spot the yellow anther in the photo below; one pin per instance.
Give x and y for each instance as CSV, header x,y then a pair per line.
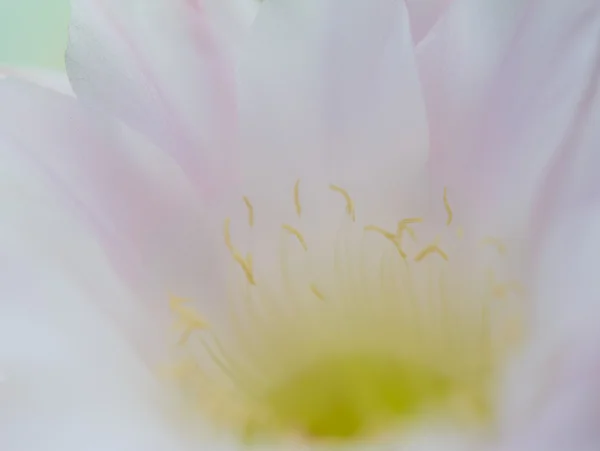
x,y
349,202
250,211
495,242
407,221
187,318
385,233
246,267
388,235
244,264
404,226
297,234
316,292
249,261
431,249
297,198
227,235
410,231
460,232
448,209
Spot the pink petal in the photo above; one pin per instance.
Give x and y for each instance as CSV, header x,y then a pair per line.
x,y
504,137
571,187
329,91
158,66
564,389
138,206
558,378
69,381
231,21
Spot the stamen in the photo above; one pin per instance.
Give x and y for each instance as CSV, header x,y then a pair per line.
x,y
495,242
460,233
410,221
250,211
217,359
417,308
297,198
244,264
447,206
390,236
189,319
297,234
249,262
316,292
349,202
403,226
431,249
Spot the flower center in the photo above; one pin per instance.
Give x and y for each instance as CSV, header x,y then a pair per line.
x,y
387,332
346,396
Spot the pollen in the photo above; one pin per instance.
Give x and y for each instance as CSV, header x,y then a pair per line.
x,y
368,335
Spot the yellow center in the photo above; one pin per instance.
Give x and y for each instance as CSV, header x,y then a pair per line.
x,y
386,334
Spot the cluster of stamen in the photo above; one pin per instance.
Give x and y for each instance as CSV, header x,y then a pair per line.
x,y
240,405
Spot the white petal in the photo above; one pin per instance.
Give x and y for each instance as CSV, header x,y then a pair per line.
x,y
329,92
232,20
424,14
556,397
532,77
158,66
552,402
52,79
128,195
571,189
69,383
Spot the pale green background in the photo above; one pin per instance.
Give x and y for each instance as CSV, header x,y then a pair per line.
x,y
33,32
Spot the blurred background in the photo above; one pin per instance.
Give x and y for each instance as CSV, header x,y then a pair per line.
x,y
33,32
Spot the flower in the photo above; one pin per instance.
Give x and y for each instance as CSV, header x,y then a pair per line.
x,y
334,223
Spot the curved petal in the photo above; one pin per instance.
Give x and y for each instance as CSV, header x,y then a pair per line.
x,y
566,281
552,399
568,419
52,79
506,139
70,382
231,21
571,185
457,61
158,66
329,92
424,14
133,199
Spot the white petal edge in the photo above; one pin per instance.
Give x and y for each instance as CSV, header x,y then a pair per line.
x,y
56,80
